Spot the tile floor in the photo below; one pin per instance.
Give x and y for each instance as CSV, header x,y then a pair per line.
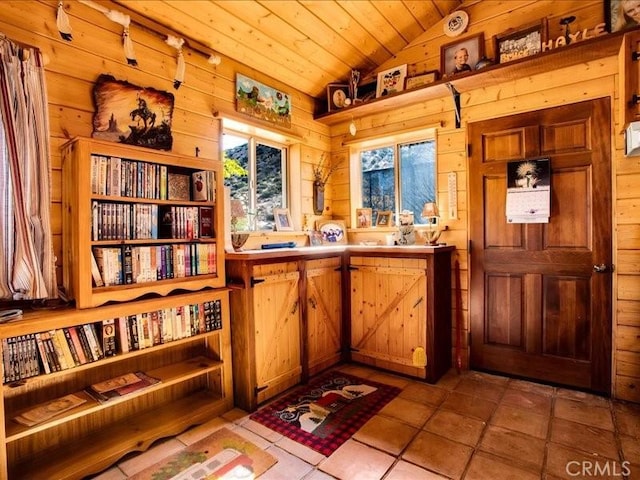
x,y
469,426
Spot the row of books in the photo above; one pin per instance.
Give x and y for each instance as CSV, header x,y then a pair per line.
x,y
128,264
139,221
32,354
60,349
102,392
118,177
143,330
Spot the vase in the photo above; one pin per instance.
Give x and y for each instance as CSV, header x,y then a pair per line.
x,y
318,198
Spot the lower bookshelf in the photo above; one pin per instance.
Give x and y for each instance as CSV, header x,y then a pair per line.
x,y
194,385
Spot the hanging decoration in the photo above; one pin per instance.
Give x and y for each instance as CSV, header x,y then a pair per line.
x,y
124,20
177,43
62,22
121,19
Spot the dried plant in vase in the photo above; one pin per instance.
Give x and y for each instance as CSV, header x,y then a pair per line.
x,y
321,173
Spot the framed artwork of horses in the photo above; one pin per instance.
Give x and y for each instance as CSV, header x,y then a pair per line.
x,y
126,113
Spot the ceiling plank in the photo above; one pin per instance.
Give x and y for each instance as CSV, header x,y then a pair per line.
x,y
275,27
400,17
320,32
331,13
376,24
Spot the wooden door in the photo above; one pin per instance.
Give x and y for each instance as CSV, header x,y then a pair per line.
x,y
388,313
277,328
538,307
323,313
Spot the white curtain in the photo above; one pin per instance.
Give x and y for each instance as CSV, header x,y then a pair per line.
x,y
27,269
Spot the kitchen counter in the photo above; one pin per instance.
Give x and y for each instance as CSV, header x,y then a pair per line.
x,y
328,250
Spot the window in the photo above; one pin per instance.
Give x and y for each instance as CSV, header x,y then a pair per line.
x,y
255,171
397,176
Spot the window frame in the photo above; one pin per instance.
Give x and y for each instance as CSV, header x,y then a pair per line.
x,y
394,141
253,140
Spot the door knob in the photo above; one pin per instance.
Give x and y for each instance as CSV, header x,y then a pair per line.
x,y
601,268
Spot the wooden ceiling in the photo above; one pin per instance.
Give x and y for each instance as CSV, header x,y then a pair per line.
x,y
305,44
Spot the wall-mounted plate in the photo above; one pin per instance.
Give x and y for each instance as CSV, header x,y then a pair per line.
x,y
456,23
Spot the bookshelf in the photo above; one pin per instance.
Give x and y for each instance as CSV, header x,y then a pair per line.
x,y
195,385
135,215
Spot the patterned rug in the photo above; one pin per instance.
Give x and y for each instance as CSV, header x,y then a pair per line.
x,y
221,455
327,412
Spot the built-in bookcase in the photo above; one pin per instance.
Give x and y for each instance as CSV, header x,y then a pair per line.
x,y
190,356
139,221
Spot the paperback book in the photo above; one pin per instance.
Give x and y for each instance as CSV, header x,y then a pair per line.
x,y
120,386
46,411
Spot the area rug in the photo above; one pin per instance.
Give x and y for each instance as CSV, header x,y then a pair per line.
x,y
223,455
327,412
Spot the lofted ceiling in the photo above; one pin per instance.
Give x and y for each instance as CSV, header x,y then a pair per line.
x,y
305,44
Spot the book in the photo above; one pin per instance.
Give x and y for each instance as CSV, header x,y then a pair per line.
x,y
200,186
95,272
120,386
77,343
48,410
205,221
178,186
109,337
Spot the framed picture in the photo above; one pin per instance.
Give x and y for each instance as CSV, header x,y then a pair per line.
x,y
521,43
315,239
363,217
460,56
337,94
391,80
420,80
621,14
283,219
275,109
384,219
332,231
126,113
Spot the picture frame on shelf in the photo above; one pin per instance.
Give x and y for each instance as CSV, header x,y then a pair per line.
x,y
384,218
332,232
522,42
363,217
459,57
282,219
421,80
391,80
337,96
315,238
617,18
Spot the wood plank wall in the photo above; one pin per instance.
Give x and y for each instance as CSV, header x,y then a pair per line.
x,y
207,94
96,49
561,86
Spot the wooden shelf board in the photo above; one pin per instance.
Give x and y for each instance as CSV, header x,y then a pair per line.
x,y
101,449
581,52
103,295
169,375
65,317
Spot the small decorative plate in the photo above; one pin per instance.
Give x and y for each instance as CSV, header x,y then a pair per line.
x,y
456,23
333,231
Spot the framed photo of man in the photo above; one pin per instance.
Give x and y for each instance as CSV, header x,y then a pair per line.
x,y
460,56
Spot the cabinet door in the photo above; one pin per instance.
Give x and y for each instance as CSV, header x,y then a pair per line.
x,y
277,329
388,313
324,312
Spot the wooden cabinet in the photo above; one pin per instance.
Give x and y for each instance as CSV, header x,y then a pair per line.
x,y
323,313
137,209
286,321
195,385
401,311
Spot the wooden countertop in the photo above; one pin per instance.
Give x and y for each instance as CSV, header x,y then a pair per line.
x,y
323,251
